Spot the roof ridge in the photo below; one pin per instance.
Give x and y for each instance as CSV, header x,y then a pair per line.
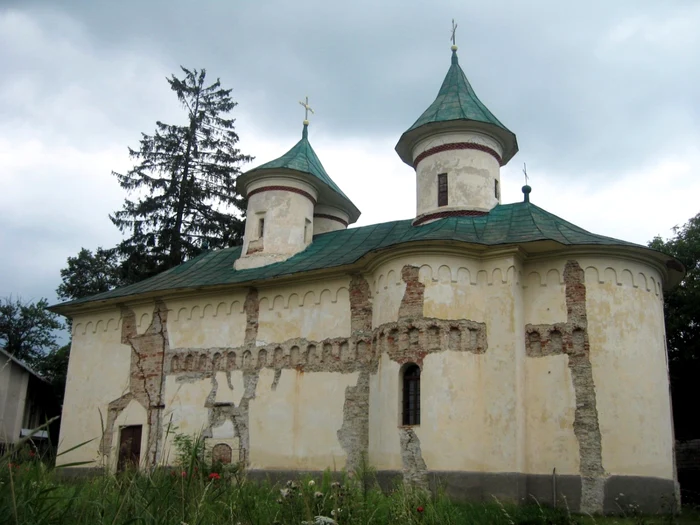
x,y
506,224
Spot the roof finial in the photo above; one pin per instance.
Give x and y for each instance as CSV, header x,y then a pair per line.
x,y
526,189
454,30
307,108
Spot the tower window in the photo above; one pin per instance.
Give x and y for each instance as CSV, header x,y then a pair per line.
x,y
411,395
442,189
496,190
261,228
308,230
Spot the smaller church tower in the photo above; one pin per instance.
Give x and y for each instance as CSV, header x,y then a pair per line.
x,y
290,199
457,147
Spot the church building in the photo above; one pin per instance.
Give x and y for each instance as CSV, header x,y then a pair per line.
x,y
490,349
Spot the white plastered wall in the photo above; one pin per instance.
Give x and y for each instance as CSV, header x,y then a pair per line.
x,y
468,401
207,321
549,398
288,221
295,424
98,373
316,311
628,355
497,411
470,173
322,222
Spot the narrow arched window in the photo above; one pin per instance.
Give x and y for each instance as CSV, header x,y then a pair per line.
x,y
411,395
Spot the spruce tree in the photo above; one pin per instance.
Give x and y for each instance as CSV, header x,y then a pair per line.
x,y
184,183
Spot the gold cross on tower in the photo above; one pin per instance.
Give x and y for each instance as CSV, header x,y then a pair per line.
x,y
454,30
307,108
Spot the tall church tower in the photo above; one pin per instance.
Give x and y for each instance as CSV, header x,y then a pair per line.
x,y
290,199
457,147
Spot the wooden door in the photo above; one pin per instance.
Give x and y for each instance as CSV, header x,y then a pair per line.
x,y
129,447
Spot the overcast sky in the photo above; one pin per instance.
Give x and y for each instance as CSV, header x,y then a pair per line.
x,y
602,96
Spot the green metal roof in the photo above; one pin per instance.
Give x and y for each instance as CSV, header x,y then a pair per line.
x,y
302,158
457,101
506,224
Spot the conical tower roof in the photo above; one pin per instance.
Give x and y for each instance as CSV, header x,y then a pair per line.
x,y
457,103
303,159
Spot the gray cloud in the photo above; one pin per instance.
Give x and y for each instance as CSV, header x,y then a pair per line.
x,y
606,76
592,90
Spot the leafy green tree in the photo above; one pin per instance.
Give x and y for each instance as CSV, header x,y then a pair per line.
x,y
184,181
54,368
682,304
682,313
27,330
89,274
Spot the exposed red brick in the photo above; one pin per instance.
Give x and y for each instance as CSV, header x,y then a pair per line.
x,y
457,146
252,309
571,338
412,302
360,304
145,377
332,218
283,188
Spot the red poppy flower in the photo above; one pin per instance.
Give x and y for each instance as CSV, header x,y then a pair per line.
x,y
420,509
214,475
184,474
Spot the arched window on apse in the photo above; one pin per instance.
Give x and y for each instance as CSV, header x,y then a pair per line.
x,y
411,395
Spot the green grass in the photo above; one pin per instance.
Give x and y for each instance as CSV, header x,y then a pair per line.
x,y
197,493
32,493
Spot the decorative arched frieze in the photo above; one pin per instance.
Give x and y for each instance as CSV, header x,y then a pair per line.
x,y
621,276
308,299
208,311
94,326
464,276
444,274
207,308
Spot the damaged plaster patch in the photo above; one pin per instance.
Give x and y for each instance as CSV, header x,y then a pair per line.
x,y
220,413
409,339
415,472
571,338
252,311
360,305
276,379
146,378
239,415
354,433
113,410
412,303
414,336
